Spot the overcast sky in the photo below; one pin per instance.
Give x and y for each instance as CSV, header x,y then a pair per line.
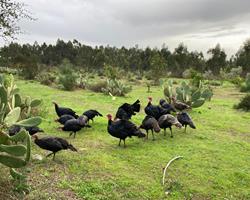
x,y
200,24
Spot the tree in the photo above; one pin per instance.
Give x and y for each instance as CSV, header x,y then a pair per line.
x,y
243,56
217,59
180,60
11,12
157,67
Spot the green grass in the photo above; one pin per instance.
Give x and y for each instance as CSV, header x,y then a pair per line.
x,y
215,164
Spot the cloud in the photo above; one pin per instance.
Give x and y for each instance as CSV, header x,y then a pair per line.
x,y
199,23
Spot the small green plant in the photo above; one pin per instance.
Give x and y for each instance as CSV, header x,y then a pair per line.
x,y
187,93
244,103
116,88
67,77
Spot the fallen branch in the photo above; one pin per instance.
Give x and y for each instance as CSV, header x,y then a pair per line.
x,y
165,169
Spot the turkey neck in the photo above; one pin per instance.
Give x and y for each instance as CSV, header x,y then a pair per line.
x,y
56,107
110,122
149,103
36,140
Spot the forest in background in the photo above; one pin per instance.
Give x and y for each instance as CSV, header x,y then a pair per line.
x,y
37,57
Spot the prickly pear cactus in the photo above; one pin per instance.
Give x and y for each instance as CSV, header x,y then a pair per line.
x,y
16,155
168,90
116,88
186,93
10,98
12,154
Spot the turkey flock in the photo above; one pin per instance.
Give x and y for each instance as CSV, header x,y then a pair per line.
x,y
163,116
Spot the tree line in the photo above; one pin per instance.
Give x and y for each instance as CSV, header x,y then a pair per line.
x,y
160,60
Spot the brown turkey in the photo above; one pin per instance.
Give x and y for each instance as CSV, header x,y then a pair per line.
x,y
150,123
167,121
179,105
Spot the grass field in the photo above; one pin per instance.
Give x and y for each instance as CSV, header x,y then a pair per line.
x,y
216,163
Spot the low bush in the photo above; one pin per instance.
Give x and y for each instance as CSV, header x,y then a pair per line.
x,y
148,75
208,75
186,74
245,87
234,75
213,83
111,72
196,78
98,86
7,70
67,77
237,80
244,103
46,78
29,71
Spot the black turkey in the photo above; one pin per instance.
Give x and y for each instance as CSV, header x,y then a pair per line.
x,y
126,111
122,129
53,144
185,120
64,111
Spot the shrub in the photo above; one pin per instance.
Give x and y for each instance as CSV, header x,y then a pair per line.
x,y
236,71
116,88
244,103
82,80
46,78
234,75
8,70
67,77
237,81
186,74
98,86
245,87
196,77
29,68
148,75
29,71
213,83
208,75
111,72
